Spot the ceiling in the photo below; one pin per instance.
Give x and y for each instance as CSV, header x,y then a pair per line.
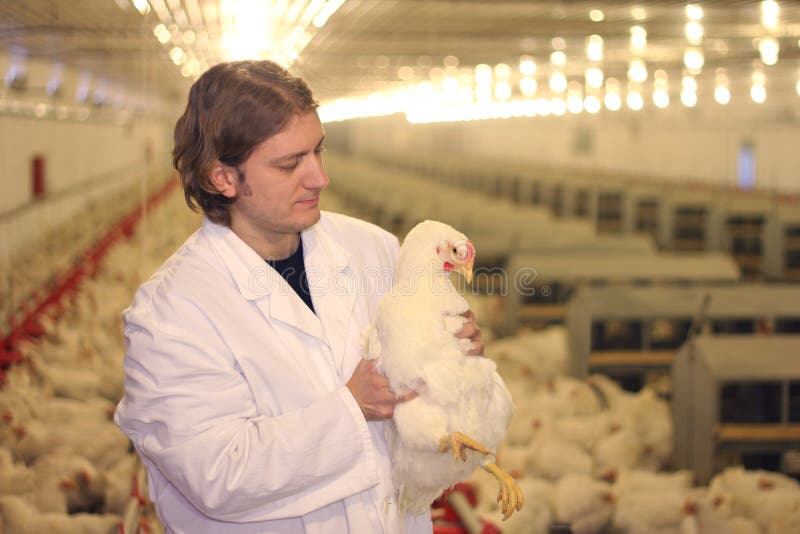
x,y
365,43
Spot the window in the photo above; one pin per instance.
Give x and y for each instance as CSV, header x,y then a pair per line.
x,y
747,166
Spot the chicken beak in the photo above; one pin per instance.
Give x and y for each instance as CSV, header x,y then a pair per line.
x,y
466,270
466,267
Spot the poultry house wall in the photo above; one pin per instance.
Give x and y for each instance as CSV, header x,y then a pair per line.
x,y
74,152
107,143
676,144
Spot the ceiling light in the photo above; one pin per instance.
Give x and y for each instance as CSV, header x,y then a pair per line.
x,y
768,48
689,98
574,103
162,33
638,13
638,38
210,11
661,99
769,14
558,82
558,106
527,66
542,107
483,74
483,94
689,84
694,32
722,94
527,86
798,87
177,55
612,101
502,71
558,43
634,101
693,59
594,77
450,61
694,11
596,15
660,81
502,90
191,68
594,48
637,71
558,58
591,104
450,84
758,93
405,73
141,6
325,13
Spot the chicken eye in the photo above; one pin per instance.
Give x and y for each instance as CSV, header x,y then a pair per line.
x,y
460,251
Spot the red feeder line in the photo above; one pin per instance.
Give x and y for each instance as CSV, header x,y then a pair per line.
x,y
68,282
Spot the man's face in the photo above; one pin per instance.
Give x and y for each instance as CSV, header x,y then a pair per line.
x,y
283,180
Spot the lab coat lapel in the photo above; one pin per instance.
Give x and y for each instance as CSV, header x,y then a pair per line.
x,y
260,283
331,282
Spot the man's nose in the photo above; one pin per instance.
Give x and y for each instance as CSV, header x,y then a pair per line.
x,y
316,178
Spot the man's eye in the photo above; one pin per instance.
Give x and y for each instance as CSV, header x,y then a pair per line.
x,y
290,167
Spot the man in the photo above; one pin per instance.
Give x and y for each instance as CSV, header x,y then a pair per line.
x,y
245,394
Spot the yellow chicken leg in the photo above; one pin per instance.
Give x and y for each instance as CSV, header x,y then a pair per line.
x,y
460,443
510,496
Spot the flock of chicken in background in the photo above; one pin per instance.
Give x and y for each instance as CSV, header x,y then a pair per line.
x,y
64,465
585,453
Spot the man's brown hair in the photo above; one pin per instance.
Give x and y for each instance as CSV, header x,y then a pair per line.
x,y
232,108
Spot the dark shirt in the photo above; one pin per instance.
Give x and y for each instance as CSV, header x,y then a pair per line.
x,y
293,270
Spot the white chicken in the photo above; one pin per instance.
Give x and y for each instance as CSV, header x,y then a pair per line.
x,y
585,504
20,517
462,403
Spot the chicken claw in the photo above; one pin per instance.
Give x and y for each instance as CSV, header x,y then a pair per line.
x,y
510,496
459,443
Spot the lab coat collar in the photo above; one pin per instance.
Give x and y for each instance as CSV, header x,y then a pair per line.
x,y
331,282
325,260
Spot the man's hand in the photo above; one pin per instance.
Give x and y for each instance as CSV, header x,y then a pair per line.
x,y
471,331
371,391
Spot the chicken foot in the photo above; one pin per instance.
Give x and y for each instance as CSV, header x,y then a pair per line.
x,y
459,443
510,496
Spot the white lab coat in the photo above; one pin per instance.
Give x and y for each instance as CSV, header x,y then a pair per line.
x,y
235,393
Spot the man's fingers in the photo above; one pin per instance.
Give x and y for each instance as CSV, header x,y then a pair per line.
x,y
467,331
407,396
477,348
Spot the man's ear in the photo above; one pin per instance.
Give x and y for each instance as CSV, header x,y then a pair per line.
x,y
224,180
